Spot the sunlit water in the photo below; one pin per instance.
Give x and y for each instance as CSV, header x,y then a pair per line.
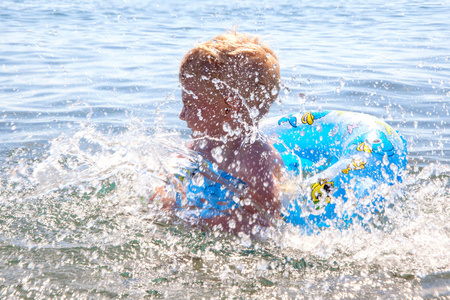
x,y
89,103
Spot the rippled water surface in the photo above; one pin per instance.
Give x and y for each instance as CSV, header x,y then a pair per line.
x,y
89,103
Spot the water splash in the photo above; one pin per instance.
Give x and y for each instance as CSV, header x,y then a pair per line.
x,y
77,220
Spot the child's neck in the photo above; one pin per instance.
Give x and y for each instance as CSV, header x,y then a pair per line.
x,y
224,149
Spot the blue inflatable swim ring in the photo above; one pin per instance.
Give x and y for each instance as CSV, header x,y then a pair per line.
x,y
342,158
346,159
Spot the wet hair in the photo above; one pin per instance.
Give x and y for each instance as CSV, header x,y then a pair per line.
x,y
236,65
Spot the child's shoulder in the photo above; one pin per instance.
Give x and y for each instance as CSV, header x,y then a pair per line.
x,y
261,147
260,155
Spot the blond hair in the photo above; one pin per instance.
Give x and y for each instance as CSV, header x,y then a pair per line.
x,y
236,65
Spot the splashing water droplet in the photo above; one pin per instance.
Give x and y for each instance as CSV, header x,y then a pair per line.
x,y
232,224
199,115
198,179
246,241
254,112
274,91
203,144
226,127
217,154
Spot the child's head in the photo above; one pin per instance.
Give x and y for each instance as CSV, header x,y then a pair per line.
x,y
233,67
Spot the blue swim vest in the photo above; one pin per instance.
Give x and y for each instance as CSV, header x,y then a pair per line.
x,y
208,192
344,161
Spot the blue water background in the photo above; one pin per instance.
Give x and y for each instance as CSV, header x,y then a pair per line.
x,y
62,62
113,65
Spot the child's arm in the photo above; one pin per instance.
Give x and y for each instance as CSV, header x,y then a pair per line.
x,y
164,196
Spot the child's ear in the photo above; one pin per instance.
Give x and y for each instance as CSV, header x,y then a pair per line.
x,y
232,102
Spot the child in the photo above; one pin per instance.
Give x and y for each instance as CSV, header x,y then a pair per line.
x,y
228,85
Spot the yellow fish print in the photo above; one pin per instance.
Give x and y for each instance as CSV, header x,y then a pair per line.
x,y
308,118
355,165
321,190
364,147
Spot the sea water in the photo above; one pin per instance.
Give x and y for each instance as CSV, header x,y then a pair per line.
x,y
89,103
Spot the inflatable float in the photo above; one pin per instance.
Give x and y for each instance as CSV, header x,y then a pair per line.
x,y
340,164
